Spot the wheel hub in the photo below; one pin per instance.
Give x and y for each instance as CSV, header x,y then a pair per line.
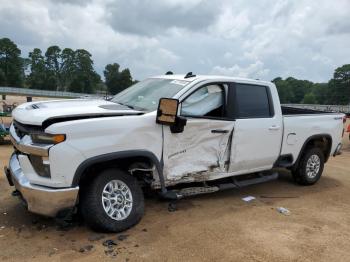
x,y
117,200
313,166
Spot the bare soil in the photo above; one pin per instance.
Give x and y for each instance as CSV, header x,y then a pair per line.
x,y
213,227
21,99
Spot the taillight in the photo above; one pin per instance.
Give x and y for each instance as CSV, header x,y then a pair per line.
x,y
347,130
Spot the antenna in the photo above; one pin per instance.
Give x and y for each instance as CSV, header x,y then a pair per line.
x,y
189,74
169,73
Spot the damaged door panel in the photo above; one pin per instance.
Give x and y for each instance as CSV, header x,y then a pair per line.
x,y
202,150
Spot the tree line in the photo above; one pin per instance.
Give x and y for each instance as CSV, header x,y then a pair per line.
x,y
59,70
72,70
335,92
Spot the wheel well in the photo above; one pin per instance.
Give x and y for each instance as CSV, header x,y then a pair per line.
x,y
324,142
124,164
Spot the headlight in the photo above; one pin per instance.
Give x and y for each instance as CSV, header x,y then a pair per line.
x,y
48,138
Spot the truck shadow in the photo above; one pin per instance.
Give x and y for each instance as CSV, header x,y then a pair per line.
x,y
270,193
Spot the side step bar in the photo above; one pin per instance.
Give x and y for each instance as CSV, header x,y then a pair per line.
x,y
260,179
192,191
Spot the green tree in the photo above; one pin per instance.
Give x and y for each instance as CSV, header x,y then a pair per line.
x,y
64,70
125,79
67,68
112,74
11,69
2,78
309,99
85,79
299,88
284,90
339,86
53,68
37,76
321,93
292,90
117,81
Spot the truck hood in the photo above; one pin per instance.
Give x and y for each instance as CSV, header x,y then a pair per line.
x,y
36,113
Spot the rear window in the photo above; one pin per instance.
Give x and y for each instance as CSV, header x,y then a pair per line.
x,y
252,101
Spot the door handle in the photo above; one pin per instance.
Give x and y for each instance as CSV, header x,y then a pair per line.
x,y
219,131
274,128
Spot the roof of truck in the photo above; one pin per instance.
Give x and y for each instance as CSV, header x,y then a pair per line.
x,y
211,77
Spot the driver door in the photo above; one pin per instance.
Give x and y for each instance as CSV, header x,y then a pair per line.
x,y
203,148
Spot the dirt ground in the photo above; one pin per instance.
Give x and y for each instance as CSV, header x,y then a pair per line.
x,y
21,99
214,227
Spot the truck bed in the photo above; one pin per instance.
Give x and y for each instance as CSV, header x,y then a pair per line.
x,y
287,110
301,124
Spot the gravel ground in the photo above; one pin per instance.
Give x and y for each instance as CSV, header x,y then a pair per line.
x,y
215,227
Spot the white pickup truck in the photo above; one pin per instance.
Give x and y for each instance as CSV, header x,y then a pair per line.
x,y
179,135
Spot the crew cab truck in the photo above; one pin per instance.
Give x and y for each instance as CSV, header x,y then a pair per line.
x,y
179,135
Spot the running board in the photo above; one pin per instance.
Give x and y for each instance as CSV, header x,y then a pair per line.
x,y
188,191
261,179
193,191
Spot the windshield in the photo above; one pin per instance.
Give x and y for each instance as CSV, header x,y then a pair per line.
x,y
145,95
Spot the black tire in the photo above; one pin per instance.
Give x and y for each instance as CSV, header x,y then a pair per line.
x,y
92,209
300,173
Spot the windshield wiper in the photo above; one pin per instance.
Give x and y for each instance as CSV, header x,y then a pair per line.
x,y
131,107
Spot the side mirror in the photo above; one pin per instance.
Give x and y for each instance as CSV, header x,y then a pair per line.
x,y
167,111
167,115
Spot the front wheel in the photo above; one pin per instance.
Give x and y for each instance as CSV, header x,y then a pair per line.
x,y
310,167
112,202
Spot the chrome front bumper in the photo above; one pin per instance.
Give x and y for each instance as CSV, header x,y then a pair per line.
x,y
40,199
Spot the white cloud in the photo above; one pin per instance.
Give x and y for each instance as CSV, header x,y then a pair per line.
x,y
255,70
261,39
230,24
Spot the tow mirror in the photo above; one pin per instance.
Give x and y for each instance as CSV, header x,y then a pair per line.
x,y
167,111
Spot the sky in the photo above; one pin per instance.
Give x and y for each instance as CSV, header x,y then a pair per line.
x,y
255,39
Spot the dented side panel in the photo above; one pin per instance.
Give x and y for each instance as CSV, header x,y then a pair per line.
x,y
197,153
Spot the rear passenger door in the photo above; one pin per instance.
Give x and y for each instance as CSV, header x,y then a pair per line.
x,y
257,137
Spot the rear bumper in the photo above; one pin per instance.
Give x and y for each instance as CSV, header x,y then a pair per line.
x,y
40,199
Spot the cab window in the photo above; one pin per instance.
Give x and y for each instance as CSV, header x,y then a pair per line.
x,y
253,101
208,101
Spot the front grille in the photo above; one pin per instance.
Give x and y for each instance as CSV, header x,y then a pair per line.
x,y
23,129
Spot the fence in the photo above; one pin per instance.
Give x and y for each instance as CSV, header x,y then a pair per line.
x,y
328,108
41,93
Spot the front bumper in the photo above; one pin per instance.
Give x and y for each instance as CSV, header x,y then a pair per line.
x,y
40,199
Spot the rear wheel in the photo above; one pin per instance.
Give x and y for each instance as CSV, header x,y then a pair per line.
x,y
112,202
310,167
